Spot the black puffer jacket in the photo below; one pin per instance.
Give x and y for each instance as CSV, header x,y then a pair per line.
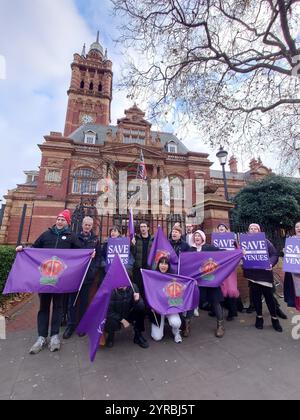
x,y
121,303
180,246
91,242
53,239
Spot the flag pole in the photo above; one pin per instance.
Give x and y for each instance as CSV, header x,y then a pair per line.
x,y
83,278
155,317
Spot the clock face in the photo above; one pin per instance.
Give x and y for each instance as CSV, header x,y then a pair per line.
x,y
87,119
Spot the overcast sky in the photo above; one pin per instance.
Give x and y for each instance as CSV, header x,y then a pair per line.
x,y
37,41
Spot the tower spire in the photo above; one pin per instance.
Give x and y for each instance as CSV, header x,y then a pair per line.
x,y
98,33
83,51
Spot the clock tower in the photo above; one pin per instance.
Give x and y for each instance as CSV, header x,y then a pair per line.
x,y
90,92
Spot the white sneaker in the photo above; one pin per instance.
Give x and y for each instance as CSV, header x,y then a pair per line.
x,y
196,312
178,338
54,343
38,345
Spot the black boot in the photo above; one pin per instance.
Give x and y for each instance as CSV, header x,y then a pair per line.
x,y
110,340
250,309
280,314
276,325
140,340
68,333
259,324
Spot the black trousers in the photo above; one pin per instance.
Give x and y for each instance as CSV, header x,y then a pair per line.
x,y
136,317
138,280
43,317
258,291
75,313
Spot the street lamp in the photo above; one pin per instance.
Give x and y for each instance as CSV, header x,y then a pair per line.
x,y
222,156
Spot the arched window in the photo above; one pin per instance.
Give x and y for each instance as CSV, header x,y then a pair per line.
x,y
172,147
176,188
100,87
85,181
82,84
91,86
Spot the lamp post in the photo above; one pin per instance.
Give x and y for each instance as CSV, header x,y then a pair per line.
x,y
222,156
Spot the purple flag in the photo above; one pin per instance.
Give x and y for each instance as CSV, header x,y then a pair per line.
x,y
38,270
170,294
210,269
291,263
224,240
93,322
256,248
131,229
118,246
161,247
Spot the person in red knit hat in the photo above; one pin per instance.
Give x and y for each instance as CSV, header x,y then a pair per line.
x,y
58,236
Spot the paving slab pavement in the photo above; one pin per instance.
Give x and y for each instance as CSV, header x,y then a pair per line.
x,y
245,364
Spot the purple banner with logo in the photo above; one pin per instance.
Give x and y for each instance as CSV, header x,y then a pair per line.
x,y
291,262
170,294
37,270
224,240
118,246
210,269
255,247
161,247
93,322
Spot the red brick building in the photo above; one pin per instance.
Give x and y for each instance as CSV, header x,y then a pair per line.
x,y
91,149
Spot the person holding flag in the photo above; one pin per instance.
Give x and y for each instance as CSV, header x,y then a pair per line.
x,y
57,237
157,320
117,304
87,240
142,244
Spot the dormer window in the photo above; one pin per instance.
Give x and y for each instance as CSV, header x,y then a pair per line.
x,y
90,137
172,147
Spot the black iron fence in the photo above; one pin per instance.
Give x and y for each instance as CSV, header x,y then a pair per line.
x,y
277,235
103,223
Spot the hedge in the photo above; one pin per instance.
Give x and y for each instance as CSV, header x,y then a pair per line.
x,y
7,257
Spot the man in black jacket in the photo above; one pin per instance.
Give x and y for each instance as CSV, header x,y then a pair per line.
x,y
126,307
57,237
178,244
86,240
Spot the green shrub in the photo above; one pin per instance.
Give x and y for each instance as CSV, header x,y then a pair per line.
x,y
7,257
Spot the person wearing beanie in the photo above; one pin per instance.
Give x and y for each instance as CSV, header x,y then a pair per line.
x,y
58,236
211,295
262,284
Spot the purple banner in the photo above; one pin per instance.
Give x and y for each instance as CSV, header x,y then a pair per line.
x,y
256,255
161,247
118,246
291,262
226,241
170,294
210,269
37,270
131,229
93,322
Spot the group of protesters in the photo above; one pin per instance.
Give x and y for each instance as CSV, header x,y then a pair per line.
x,y
129,306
